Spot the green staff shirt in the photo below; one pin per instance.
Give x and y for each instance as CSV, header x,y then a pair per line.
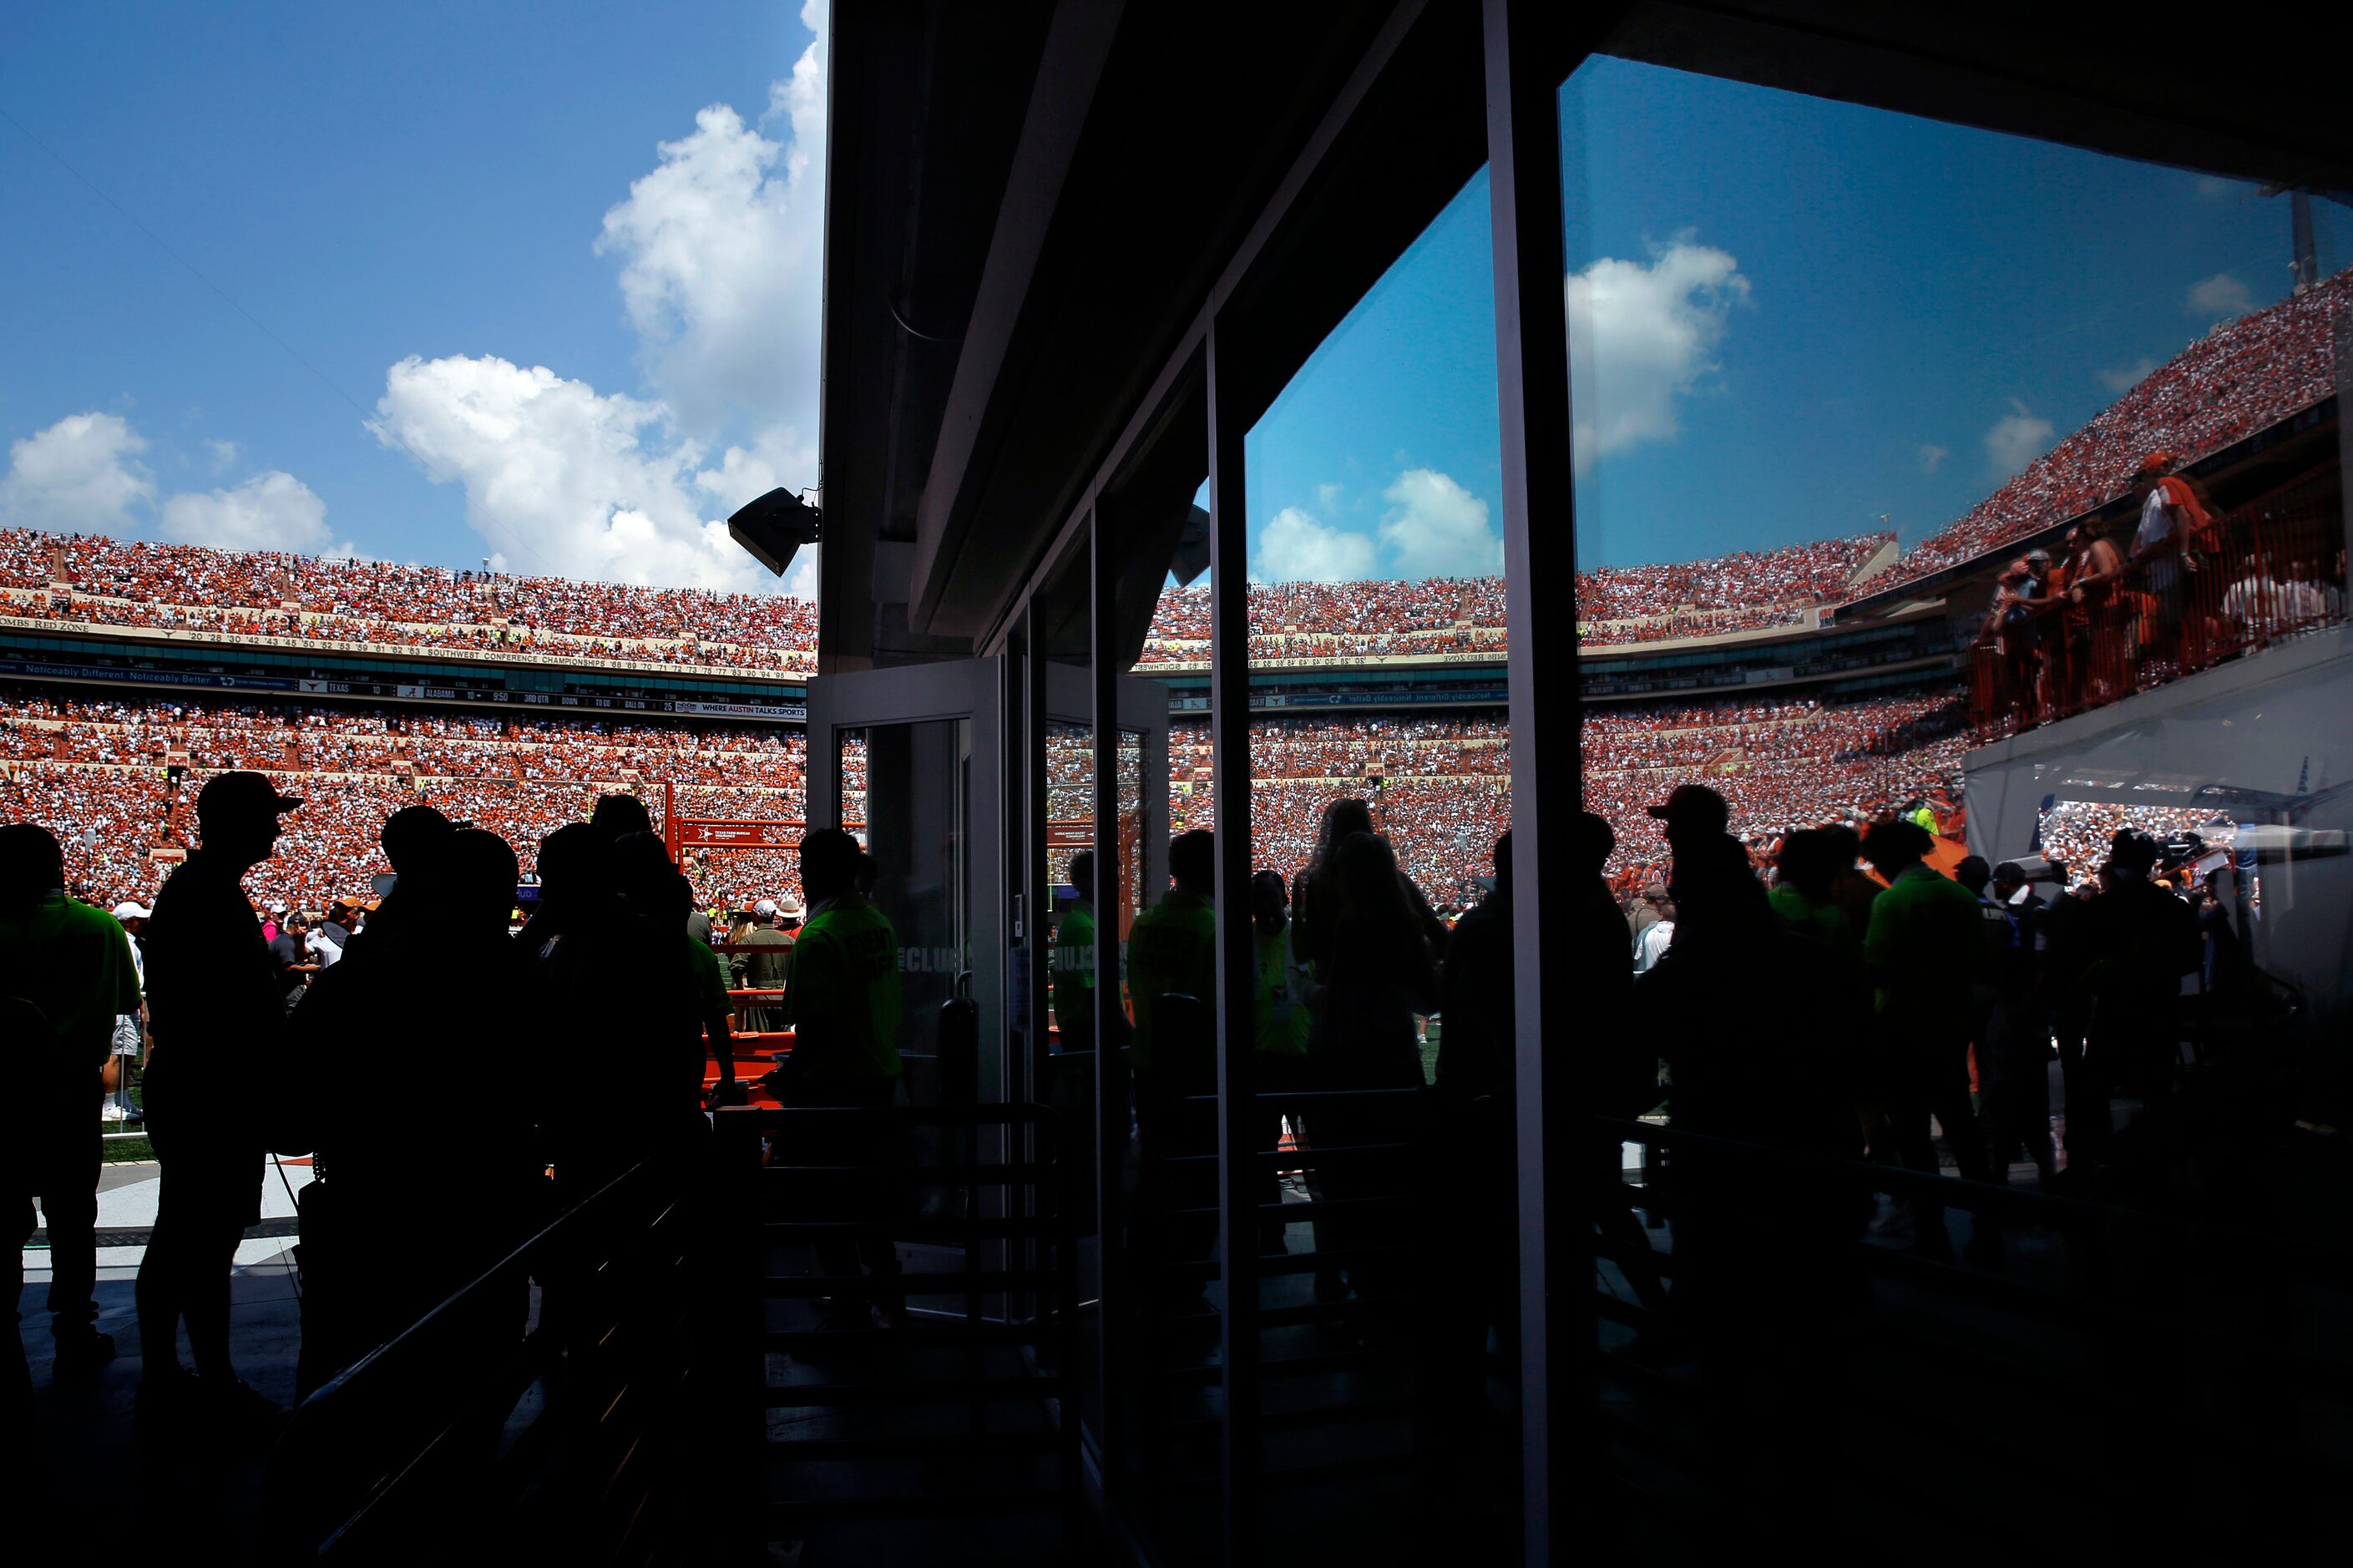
x,y
1281,1016
1172,947
841,994
709,980
1925,947
1073,966
74,963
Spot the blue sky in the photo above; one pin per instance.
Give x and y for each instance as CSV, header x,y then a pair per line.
x,y
426,181
1798,316
543,286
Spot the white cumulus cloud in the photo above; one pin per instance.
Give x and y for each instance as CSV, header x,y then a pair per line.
x,y
2017,438
82,475
2121,379
271,510
559,476
2218,296
1295,548
1641,337
1435,528
225,453
722,253
1932,459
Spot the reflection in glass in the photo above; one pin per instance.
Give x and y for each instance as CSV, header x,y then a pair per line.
x,y
906,792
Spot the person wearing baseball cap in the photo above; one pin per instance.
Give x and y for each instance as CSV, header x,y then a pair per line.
x,y
762,970
1693,814
216,1020
129,1028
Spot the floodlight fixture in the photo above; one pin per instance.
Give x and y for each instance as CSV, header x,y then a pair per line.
x,y
775,527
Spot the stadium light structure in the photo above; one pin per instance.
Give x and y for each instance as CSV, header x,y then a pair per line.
x,y
775,527
1192,557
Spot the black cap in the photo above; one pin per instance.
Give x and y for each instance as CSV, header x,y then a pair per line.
x,y
1692,805
241,795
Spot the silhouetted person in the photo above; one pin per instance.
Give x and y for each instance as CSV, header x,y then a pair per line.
x,y
569,865
1851,889
1616,1067
66,975
412,838
1315,900
218,1017
1477,1048
1925,949
715,1007
616,816
1763,1028
1805,893
1382,973
614,983
2138,940
1172,950
1278,1034
2013,1050
842,999
1693,814
422,1185
1072,966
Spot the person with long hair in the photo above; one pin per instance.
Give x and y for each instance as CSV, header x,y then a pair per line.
x,y
1382,973
1315,899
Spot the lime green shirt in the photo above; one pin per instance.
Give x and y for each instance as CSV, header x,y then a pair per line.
x,y
1281,1014
710,979
1826,921
841,994
1172,947
1923,948
74,963
1072,963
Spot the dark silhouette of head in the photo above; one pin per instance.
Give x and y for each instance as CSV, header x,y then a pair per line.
x,y
618,816
1714,891
572,863
1082,873
1591,840
1341,819
642,869
1894,846
1269,901
476,882
236,817
32,864
1368,872
412,836
829,864
1808,862
2131,855
1974,873
1193,861
2008,878
1691,813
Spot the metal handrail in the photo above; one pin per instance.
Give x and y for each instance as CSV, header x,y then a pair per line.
x,y
359,1462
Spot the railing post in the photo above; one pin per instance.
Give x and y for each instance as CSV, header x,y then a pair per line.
x,y
735,1366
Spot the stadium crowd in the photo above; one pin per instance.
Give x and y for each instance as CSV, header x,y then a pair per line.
x,y
1615,604
115,780
2241,377
137,584
1440,787
2176,586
